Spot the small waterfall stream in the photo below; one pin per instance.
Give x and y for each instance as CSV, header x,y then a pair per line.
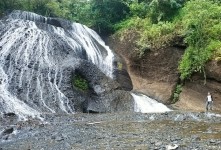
x,y
145,104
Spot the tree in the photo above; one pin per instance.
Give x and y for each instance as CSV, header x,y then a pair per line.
x,y
106,13
162,10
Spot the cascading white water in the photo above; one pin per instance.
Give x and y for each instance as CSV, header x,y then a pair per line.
x,y
146,104
9,103
33,53
86,37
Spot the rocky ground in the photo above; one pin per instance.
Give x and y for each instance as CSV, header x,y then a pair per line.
x,y
126,131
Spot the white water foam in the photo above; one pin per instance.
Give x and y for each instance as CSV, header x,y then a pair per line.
x,y
12,104
32,57
145,104
208,114
92,43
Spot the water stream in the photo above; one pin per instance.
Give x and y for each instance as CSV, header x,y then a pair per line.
x,y
145,104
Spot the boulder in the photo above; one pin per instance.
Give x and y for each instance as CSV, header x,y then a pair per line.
x,y
121,75
115,101
104,94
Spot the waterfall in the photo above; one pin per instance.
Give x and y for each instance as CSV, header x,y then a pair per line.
x,y
146,104
37,58
9,103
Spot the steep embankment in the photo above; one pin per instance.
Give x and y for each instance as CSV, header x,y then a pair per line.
x,y
156,74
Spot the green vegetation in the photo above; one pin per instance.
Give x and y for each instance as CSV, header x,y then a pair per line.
x,y
157,23
201,21
100,15
119,66
153,21
80,82
176,93
161,22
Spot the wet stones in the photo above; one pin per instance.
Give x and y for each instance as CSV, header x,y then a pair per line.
x,y
10,114
115,131
5,134
7,131
9,118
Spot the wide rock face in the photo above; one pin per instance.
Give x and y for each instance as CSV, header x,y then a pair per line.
x,y
155,74
39,57
194,92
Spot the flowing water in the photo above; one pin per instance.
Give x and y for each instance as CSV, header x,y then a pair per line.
x,y
146,104
35,53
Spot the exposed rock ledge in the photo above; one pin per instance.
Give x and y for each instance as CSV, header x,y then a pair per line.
x,y
156,75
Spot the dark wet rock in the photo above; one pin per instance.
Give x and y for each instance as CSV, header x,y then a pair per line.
x,y
121,75
104,94
7,131
10,114
115,101
57,50
8,118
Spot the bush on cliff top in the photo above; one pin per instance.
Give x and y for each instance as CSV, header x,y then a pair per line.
x,y
198,21
201,23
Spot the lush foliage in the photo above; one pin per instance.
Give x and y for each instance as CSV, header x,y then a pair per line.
x,y
106,13
201,26
162,10
151,20
80,82
161,22
100,15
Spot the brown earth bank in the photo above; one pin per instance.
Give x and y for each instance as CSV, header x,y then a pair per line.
x,y
156,75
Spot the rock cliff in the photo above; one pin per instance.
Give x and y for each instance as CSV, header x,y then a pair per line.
x,y
156,74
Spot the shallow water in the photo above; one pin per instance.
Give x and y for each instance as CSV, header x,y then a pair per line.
x,y
120,131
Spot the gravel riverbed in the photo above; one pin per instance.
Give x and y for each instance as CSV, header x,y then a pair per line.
x,y
120,131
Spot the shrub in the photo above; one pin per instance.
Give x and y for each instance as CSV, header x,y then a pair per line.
x,y
80,82
151,36
176,93
201,27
